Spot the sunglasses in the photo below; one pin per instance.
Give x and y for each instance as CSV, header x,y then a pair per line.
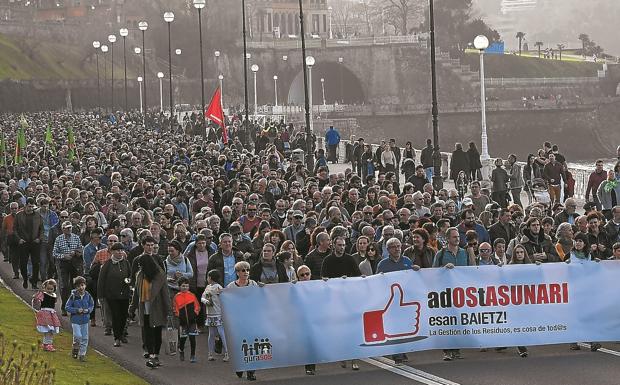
x,y
304,274
244,271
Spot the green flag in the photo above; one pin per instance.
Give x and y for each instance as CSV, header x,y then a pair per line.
x,y
71,143
20,143
49,140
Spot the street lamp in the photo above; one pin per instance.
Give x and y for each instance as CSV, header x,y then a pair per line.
x,y
217,61
284,58
310,63
124,32
140,83
169,18
112,40
160,75
341,62
437,180
143,26
96,46
330,10
199,5
221,79
178,52
323,90
481,43
275,87
104,50
309,155
254,69
245,71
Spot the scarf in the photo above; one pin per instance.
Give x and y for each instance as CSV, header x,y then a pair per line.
x,y
563,248
610,185
115,260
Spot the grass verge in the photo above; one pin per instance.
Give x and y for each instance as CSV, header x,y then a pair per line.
x,y
17,323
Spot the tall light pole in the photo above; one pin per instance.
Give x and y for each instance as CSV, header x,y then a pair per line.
x,y
112,40
481,43
104,50
124,32
143,26
96,46
160,76
199,5
341,63
140,83
330,10
217,60
275,87
254,69
323,90
309,155
169,18
437,180
245,70
178,52
221,79
310,63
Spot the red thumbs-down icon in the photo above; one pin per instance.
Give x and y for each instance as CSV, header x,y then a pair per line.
x,y
398,320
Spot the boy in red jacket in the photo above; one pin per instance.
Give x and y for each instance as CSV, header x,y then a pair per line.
x,y
186,308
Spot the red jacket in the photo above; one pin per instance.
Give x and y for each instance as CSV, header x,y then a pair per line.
x,y
182,299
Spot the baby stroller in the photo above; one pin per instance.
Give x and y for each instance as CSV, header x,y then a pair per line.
x,y
540,191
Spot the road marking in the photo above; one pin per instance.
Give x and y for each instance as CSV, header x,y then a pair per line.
x,y
408,371
602,350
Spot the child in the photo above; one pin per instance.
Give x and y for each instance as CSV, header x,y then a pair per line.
x,y
186,308
44,302
211,298
79,306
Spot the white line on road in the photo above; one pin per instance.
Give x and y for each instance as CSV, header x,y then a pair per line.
x,y
408,371
602,350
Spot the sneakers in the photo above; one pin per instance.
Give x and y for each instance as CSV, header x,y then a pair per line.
x,y
398,362
151,363
210,357
192,359
447,356
117,343
82,358
456,354
74,353
355,366
226,358
594,346
574,346
251,376
310,372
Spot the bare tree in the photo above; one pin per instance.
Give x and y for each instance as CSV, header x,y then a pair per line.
x,y
343,12
399,13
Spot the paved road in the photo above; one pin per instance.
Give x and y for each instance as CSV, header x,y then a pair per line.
x,y
554,364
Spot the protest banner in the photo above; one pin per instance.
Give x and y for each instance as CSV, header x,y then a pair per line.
x,y
467,307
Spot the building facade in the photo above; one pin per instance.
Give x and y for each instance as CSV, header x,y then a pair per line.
x,y
279,19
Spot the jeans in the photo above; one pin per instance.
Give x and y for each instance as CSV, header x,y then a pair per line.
x,y
516,196
29,251
80,337
429,171
213,330
66,273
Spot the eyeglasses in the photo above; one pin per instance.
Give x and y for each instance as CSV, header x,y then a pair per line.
x,y
485,250
243,270
61,217
304,274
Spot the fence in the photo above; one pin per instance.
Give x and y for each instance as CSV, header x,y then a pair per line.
x,y
501,82
337,43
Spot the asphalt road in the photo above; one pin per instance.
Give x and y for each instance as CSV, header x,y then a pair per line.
x,y
554,364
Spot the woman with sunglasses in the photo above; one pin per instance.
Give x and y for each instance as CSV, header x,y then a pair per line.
x,y
369,265
242,269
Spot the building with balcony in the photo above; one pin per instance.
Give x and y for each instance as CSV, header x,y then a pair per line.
x,y
279,19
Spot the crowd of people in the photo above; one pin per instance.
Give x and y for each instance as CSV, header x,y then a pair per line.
x,y
153,225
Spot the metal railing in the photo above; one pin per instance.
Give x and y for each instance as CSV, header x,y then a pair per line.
x,y
539,81
337,43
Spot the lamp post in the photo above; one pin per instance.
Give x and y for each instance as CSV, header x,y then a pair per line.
x,y
169,18
323,90
104,50
285,58
254,69
140,83
143,26
341,63
221,79
275,87
199,5
310,63
330,10
96,46
437,180
245,70
481,43
124,32
112,40
160,75
309,155
217,60
178,52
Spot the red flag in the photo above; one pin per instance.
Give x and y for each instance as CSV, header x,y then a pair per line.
x,y
216,113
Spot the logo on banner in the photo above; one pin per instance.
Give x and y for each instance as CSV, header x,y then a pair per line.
x,y
397,323
259,350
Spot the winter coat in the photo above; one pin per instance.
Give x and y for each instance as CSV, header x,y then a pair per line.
x,y
76,302
160,308
332,137
257,270
216,261
539,244
473,156
460,162
111,283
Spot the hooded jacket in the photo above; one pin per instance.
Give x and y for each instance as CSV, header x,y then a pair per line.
x,y
77,301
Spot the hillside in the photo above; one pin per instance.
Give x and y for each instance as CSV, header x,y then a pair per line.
x,y
512,66
22,59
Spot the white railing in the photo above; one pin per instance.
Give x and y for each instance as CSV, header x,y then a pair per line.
x,y
538,81
580,173
335,43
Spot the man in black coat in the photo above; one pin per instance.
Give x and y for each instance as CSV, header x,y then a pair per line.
x,y
339,264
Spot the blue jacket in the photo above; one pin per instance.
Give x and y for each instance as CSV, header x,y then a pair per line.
x,y
76,302
332,137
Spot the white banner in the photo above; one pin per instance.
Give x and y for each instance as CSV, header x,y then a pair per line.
x,y
466,307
